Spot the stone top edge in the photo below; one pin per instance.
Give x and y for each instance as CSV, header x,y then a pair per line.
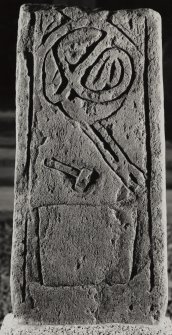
x,y
140,11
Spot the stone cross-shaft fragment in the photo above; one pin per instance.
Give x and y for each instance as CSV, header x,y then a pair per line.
x,y
89,242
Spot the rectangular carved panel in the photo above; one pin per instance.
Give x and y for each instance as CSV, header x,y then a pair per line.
x,y
89,241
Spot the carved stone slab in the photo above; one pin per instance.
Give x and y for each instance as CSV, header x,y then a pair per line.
x,y
89,242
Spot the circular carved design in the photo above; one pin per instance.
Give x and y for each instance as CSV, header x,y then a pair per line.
x,y
83,65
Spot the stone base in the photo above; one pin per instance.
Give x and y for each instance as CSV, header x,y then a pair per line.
x,y
12,326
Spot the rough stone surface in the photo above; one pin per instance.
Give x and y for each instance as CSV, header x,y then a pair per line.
x,y
5,255
12,326
89,243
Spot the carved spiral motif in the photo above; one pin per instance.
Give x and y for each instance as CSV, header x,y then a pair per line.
x,y
107,78
84,65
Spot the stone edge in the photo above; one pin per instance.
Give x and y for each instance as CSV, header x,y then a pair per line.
x,y
31,7
157,148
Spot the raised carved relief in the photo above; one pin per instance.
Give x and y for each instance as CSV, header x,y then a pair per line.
x,y
88,231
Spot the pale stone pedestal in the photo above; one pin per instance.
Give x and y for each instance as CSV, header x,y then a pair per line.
x,y
12,326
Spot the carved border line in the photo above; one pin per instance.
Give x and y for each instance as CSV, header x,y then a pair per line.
x,y
30,67
149,156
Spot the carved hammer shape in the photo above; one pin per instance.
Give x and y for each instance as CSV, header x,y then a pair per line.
x,y
83,176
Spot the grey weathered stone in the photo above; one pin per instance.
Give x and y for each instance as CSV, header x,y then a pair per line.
x,y
12,326
89,242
